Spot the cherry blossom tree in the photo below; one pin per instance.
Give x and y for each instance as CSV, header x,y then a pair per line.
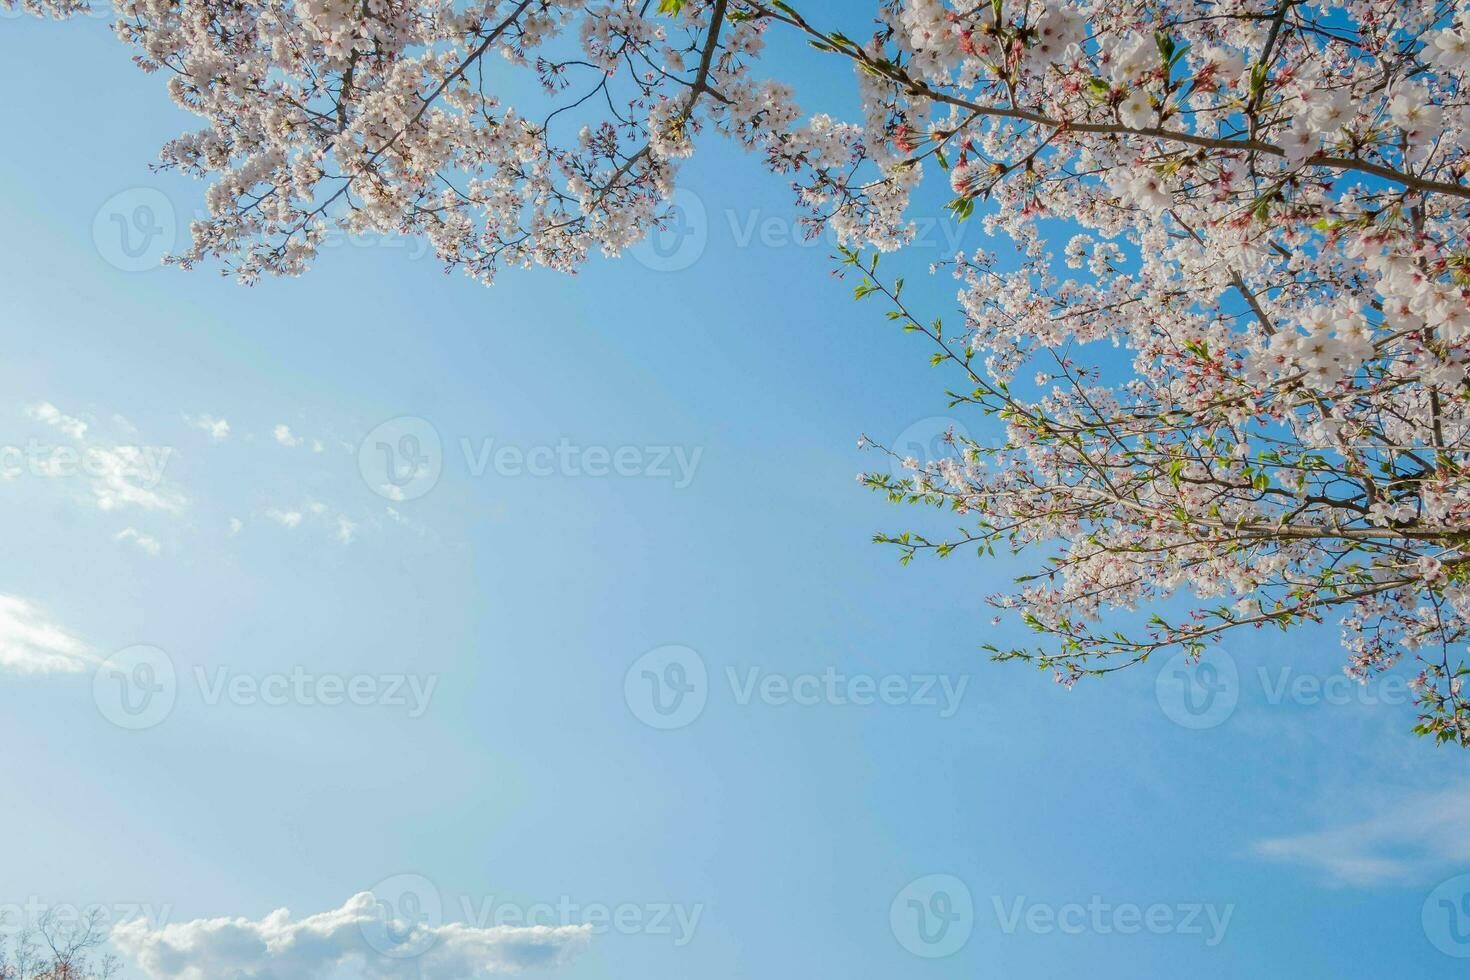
x,y
1240,390
1267,220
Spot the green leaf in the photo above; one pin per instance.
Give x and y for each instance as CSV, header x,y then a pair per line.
x,y
1166,46
1258,82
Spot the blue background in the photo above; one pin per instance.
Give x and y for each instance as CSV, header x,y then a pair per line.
x,y
793,827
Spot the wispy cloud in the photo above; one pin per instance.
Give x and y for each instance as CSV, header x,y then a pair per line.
x,y
53,416
132,476
31,642
146,542
285,436
74,456
328,944
285,518
218,429
342,527
117,476
1416,838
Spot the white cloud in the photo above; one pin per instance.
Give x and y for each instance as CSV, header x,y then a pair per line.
x,y
236,525
320,946
53,416
132,476
285,518
341,527
403,520
1416,838
32,643
145,541
117,476
285,437
218,429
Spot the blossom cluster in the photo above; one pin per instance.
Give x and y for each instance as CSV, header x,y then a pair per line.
x,y
1253,394
396,117
1249,366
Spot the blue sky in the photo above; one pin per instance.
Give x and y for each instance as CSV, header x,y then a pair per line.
x,y
767,833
